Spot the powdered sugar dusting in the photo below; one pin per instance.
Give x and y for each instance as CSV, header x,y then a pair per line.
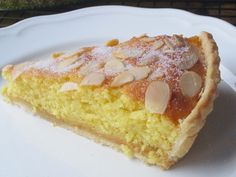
x,y
97,55
102,53
46,64
158,73
89,67
163,61
51,65
132,52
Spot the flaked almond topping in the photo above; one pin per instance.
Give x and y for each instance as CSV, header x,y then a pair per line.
x,y
93,79
68,86
179,41
189,59
143,35
190,83
92,66
140,72
67,61
147,59
168,43
112,42
147,39
122,78
57,55
19,69
123,53
158,44
84,50
71,58
119,54
158,73
157,97
114,66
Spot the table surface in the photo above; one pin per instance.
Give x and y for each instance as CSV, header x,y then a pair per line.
x,y
224,9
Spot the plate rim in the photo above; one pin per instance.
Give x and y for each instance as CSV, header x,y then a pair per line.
x,y
21,25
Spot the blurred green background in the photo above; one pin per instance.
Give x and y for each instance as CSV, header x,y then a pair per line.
x,y
32,4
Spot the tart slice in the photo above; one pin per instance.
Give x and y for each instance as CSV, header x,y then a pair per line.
x,y
148,97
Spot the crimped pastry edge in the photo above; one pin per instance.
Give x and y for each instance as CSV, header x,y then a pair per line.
x,y
192,124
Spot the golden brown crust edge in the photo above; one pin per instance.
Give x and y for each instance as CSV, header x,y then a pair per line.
x,y
190,126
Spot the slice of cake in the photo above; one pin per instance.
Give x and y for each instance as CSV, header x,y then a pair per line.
x,y
148,97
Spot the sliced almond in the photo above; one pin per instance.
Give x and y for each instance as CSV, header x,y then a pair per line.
x,y
189,59
147,39
140,72
122,79
68,86
90,67
93,79
119,54
190,83
143,35
147,59
114,66
67,61
123,53
168,43
57,55
112,42
19,69
158,44
84,50
157,97
71,58
179,40
158,73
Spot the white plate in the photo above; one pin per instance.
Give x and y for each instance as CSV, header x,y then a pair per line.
x,y
33,147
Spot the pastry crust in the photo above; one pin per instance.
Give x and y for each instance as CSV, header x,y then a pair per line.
x,y
193,123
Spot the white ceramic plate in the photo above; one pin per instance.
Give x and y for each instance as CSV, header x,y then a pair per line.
x,y
30,146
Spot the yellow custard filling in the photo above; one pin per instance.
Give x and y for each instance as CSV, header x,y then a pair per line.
x,y
107,112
